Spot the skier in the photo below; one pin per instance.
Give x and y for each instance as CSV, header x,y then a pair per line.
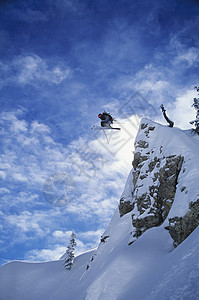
x,y
106,119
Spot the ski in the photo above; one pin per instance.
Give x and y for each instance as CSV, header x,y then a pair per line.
x,y
104,128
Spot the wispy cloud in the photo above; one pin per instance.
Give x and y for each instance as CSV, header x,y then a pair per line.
x,y
26,221
53,253
189,56
29,151
32,69
29,15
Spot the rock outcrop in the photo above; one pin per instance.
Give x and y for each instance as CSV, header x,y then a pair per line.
x,y
181,227
155,178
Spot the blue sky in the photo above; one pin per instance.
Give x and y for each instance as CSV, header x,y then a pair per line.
x,y
61,63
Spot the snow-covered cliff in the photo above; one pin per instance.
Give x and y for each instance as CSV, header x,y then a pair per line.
x,y
150,248
163,184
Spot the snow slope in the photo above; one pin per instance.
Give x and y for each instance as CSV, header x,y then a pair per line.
x,y
41,281
150,268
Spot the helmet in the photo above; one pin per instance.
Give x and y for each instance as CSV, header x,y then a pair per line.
x,y
99,116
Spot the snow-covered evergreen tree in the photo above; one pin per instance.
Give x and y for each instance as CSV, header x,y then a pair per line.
x,y
69,259
196,106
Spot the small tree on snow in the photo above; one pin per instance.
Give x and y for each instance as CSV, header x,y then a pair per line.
x,y
69,259
196,106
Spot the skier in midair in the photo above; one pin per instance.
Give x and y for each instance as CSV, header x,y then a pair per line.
x,y
106,119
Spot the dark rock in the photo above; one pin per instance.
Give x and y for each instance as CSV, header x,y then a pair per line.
x,y
160,196
183,188
168,178
139,159
151,128
181,228
153,163
125,207
148,131
142,225
142,144
143,126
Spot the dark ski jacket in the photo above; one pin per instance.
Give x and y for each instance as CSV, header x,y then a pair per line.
x,y
105,117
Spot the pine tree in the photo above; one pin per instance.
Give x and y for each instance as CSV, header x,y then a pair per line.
x,y
196,106
69,259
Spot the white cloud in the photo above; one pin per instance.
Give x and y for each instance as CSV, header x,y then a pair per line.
x,y
4,190
39,128
28,226
182,112
91,235
32,69
190,56
46,254
26,221
16,124
30,153
62,234
19,177
2,174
